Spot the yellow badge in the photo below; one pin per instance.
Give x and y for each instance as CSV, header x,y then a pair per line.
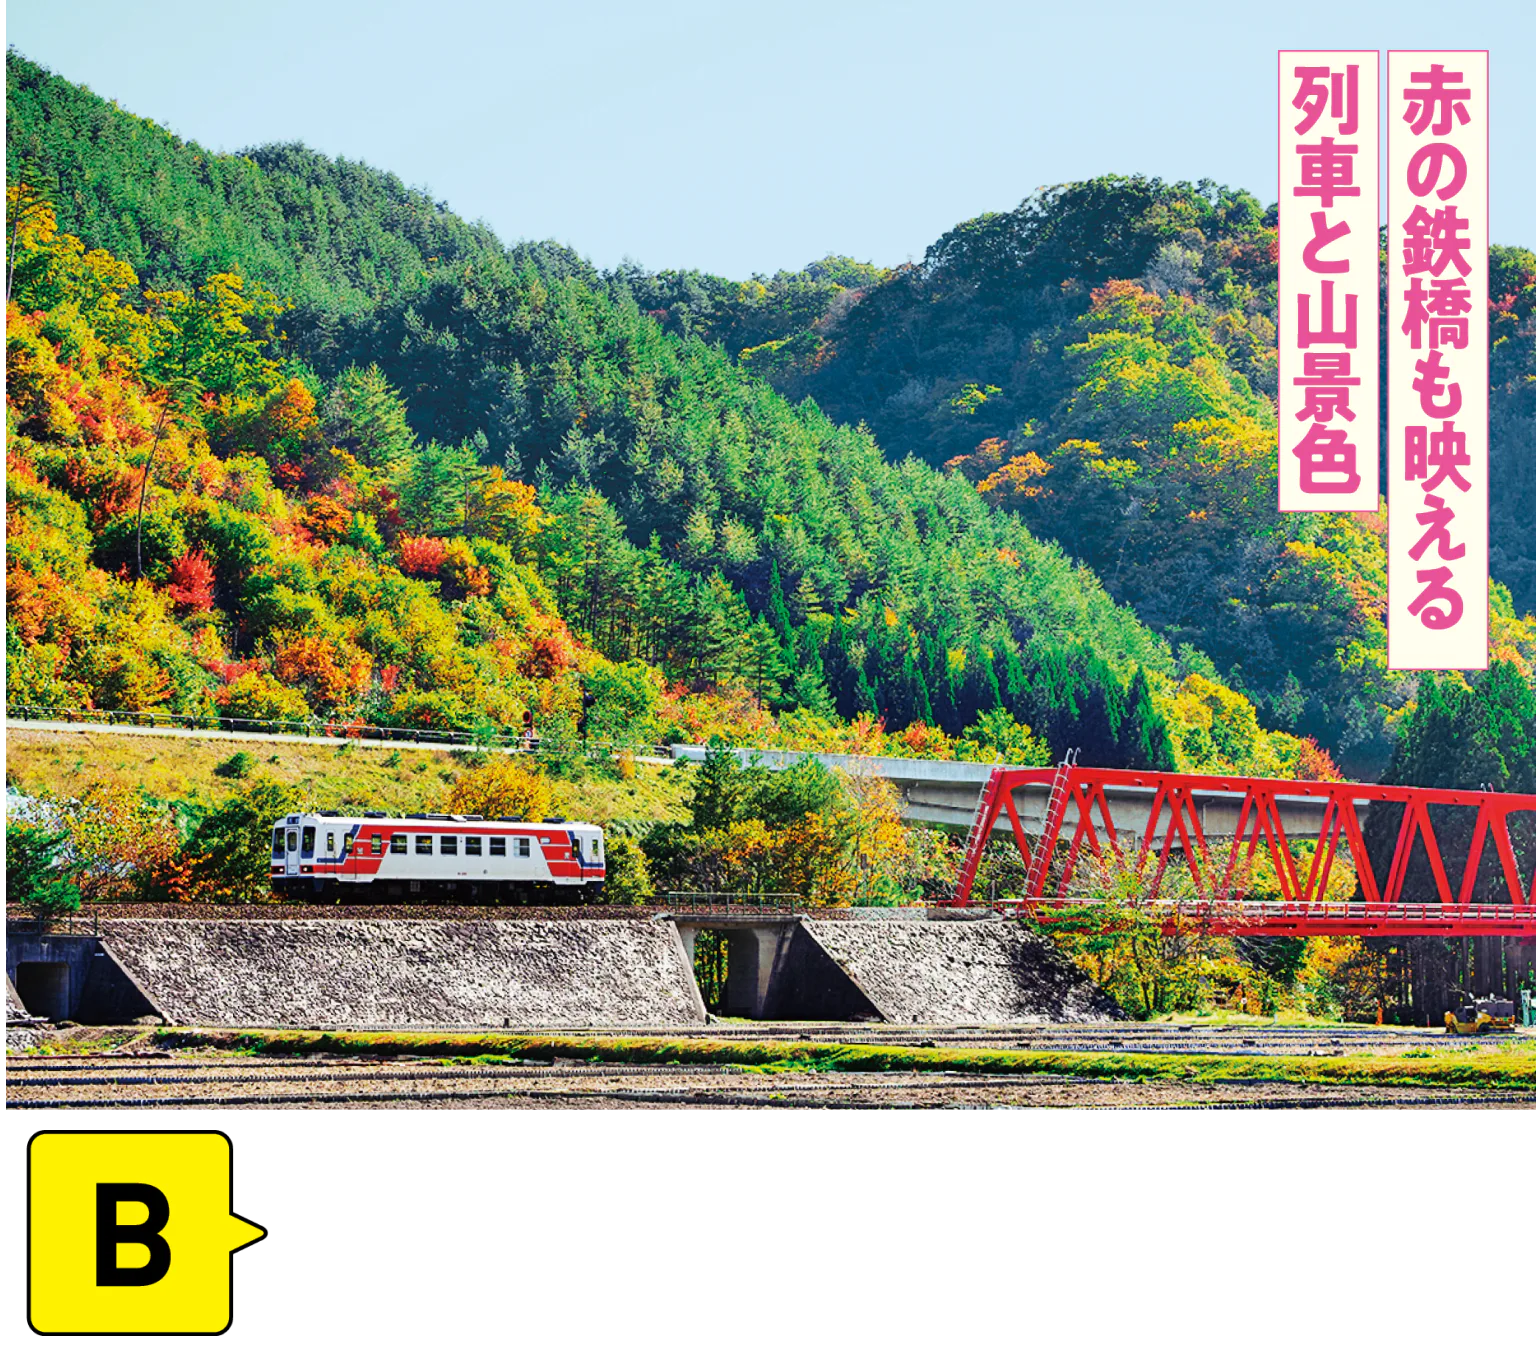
x,y
132,1233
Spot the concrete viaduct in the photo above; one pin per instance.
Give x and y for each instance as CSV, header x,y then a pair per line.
x,y
945,794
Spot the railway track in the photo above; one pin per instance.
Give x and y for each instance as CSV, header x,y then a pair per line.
x,y
83,1084
1106,1038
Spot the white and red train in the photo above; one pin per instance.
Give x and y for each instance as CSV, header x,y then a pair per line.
x,y
333,857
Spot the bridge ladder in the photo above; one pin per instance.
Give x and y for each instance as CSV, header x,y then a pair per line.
x,y
976,838
1050,827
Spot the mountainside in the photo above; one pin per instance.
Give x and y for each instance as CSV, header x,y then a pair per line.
x,y
341,514
1102,361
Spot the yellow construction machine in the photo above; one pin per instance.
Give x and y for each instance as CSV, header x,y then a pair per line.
x,y
1481,1015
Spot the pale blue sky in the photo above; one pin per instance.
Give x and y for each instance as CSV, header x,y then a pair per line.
x,y
750,137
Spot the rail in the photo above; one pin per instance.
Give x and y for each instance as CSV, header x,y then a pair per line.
x,y
1262,917
80,923
728,902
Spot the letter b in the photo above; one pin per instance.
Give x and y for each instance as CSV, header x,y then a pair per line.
x,y
110,1234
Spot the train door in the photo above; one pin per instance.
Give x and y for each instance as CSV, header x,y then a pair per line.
x,y
307,849
291,854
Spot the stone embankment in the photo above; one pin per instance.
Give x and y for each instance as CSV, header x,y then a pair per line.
x,y
401,974
960,972
895,966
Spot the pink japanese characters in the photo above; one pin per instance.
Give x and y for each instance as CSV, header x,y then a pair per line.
x,y
1437,359
1329,372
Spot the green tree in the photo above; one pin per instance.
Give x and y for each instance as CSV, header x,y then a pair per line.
x,y
366,417
211,341
437,485
764,662
34,875
230,853
720,789
1143,741
30,201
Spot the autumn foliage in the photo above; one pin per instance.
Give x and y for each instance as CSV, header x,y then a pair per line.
x,y
191,582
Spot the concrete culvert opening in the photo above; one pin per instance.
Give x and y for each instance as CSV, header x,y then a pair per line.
x,y
44,989
711,962
770,971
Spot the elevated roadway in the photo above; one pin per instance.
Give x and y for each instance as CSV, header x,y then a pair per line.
x,y
946,794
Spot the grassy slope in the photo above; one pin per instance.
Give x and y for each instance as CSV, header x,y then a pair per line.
x,y
1507,1066
66,765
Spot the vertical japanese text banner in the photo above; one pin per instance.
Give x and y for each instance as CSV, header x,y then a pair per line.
x,y
1437,360
1329,346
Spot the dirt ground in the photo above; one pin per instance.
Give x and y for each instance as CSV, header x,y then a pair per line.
x,y
136,1076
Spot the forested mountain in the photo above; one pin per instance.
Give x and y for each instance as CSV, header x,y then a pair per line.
x,y
1102,360
349,397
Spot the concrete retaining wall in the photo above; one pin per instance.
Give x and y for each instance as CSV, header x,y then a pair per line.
x,y
402,974
960,972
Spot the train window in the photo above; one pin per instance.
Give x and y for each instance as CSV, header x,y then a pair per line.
x,y
378,844
424,846
498,846
471,846
523,845
397,844
597,848
293,841
330,843
450,846
309,841
277,842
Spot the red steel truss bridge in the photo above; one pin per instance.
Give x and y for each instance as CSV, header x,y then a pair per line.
x,y
1220,825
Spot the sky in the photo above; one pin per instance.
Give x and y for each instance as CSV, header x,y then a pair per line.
x,y
745,138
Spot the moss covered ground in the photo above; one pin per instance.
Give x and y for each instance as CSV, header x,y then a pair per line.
x,y
1507,1066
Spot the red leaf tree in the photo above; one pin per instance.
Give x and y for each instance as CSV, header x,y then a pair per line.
x,y
191,582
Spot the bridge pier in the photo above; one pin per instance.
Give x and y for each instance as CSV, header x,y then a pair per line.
x,y
756,953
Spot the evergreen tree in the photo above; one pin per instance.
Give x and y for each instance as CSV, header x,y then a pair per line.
x,y
1143,743
778,611
1463,734
365,416
34,878
765,658
721,787
436,485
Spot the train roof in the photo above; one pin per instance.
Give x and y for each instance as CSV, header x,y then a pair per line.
x,y
436,819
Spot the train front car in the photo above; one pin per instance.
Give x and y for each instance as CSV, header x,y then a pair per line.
x,y
378,857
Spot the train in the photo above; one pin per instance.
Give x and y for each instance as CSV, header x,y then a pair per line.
x,y
338,857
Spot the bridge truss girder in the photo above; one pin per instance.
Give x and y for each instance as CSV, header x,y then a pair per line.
x,y
1174,821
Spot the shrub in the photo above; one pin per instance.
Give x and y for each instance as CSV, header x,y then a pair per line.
x,y
236,767
257,695
117,544
422,556
502,790
629,876
191,582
